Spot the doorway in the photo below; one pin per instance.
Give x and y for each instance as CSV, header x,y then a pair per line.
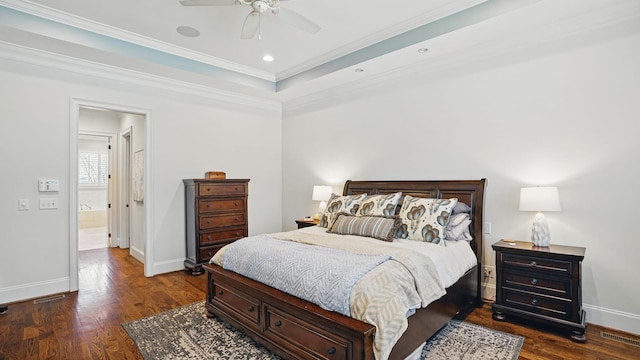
x,y
94,171
125,131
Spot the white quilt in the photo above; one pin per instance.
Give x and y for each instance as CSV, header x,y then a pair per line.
x,y
385,295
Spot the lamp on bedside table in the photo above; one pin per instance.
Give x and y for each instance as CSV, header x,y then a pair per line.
x,y
540,199
321,193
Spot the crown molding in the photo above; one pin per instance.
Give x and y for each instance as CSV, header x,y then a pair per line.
x,y
594,18
75,65
451,7
64,18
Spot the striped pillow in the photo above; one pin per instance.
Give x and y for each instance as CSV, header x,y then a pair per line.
x,y
370,226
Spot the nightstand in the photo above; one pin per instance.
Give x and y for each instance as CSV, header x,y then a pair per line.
x,y
303,223
541,284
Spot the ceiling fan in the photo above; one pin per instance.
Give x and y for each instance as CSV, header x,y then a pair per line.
x,y
251,24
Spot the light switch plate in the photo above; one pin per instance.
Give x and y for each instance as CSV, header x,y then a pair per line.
x,y
48,203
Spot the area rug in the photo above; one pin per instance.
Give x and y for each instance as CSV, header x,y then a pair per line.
x,y
187,333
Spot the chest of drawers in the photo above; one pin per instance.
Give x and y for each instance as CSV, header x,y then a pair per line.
x,y
542,284
216,215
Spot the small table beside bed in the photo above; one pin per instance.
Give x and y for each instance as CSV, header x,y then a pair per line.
x,y
394,294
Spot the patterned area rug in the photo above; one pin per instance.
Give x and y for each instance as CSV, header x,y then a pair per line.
x,y
186,333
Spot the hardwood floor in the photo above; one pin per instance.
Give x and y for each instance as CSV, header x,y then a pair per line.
x,y
113,290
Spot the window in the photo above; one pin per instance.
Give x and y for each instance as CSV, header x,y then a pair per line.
x,y
93,168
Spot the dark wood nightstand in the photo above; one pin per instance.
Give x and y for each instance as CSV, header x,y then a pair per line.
x,y
542,284
303,223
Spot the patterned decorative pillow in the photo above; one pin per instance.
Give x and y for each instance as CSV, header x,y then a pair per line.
x,y
379,205
340,204
377,227
424,219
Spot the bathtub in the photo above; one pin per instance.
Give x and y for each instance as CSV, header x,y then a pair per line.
x,y
93,218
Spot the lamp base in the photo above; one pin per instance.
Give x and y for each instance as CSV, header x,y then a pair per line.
x,y
540,235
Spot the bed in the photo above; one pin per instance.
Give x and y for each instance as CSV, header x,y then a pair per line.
x,y
298,329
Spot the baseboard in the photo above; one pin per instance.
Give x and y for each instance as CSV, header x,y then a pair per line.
x,y
489,292
168,266
33,290
612,319
137,253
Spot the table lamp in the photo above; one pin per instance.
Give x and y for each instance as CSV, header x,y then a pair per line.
x,y
540,199
321,193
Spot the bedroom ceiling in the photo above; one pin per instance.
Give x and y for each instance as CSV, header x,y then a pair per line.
x,y
359,40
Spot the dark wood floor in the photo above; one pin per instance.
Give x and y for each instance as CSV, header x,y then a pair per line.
x,y
113,290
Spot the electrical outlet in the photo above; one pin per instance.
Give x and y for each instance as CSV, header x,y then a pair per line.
x,y
488,272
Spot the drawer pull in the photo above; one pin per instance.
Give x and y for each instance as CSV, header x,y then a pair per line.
x,y
208,189
534,302
209,237
534,281
237,233
220,292
533,263
250,309
278,323
331,351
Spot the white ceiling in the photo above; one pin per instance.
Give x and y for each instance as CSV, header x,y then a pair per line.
x,y
378,37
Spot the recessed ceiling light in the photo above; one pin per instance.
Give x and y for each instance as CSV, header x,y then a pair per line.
x,y
267,58
423,50
359,70
188,31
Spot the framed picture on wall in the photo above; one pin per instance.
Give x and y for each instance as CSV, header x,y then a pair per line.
x,y
138,175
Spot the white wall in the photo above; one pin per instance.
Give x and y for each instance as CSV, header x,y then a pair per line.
x,y
189,136
565,114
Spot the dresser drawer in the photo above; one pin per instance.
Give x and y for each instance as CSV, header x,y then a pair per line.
x,y
209,205
537,303
538,283
222,189
222,236
317,344
532,263
206,253
223,220
245,305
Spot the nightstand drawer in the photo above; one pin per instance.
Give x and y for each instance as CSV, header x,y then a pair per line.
x,y
538,283
539,304
531,263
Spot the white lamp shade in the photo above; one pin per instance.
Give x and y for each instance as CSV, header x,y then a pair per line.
x,y
539,199
321,192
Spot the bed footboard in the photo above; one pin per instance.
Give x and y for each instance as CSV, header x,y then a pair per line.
x,y
288,326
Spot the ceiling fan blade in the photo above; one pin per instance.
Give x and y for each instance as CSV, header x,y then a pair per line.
x,y
296,20
208,2
251,25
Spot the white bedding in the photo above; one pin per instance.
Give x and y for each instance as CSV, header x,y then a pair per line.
x,y
452,261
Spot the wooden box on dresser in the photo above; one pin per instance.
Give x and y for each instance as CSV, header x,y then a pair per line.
x,y
216,215
542,284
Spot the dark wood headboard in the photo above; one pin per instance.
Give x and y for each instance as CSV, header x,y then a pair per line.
x,y
470,192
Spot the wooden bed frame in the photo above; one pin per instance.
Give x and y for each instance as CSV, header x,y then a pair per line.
x,y
296,329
